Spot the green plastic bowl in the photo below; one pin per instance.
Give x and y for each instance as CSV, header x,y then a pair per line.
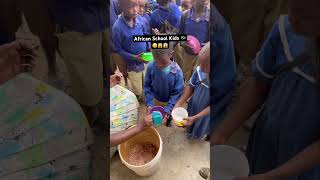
x,y
147,56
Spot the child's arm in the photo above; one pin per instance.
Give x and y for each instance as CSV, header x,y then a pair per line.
x,y
255,92
188,90
191,120
302,162
148,88
175,93
117,41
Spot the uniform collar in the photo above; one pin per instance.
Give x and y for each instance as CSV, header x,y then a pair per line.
x,y
136,21
192,15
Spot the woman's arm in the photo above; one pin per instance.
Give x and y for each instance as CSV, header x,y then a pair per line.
x,y
124,135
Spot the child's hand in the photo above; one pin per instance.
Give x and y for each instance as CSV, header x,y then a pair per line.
x,y
177,106
138,58
156,31
149,109
115,79
190,120
165,119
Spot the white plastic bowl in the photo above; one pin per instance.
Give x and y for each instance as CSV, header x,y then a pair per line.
x,y
179,115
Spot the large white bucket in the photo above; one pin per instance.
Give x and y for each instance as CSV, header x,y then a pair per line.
x,y
228,163
150,135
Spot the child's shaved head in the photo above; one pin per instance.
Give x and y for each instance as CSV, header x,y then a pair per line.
x,y
161,52
204,58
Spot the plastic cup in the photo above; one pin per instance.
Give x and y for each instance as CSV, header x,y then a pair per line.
x,y
157,118
179,115
147,56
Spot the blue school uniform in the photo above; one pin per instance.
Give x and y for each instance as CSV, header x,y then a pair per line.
x,y
164,87
153,4
173,15
198,28
147,22
289,121
148,18
122,37
114,12
223,74
199,100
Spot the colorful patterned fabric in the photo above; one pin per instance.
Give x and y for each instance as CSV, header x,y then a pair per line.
x,y
43,132
123,109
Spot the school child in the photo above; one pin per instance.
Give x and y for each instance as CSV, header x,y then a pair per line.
x,y
152,5
143,5
166,18
186,5
194,22
285,141
198,91
127,56
163,81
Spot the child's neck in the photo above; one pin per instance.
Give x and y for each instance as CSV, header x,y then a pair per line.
x,y
165,5
129,20
200,9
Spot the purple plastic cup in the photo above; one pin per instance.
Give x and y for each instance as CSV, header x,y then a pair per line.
x,y
158,108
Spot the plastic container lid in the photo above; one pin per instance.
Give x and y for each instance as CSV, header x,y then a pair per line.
x,y
147,56
157,118
159,109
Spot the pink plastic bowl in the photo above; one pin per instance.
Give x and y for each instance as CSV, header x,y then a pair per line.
x,y
193,44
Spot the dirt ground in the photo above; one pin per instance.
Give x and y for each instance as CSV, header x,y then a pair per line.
x,y
181,158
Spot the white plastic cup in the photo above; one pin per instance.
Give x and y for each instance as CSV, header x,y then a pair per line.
x,y
179,115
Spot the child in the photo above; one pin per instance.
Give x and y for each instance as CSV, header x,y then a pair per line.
x,y
129,24
152,5
285,141
186,5
167,13
143,4
199,103
194,22
164,81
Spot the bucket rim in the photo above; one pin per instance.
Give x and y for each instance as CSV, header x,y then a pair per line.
x,y
148,163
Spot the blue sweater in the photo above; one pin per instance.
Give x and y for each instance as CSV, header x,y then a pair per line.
x,y
161,14
163,87
122,37
198,28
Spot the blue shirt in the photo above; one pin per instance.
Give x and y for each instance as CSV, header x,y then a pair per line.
x,y
153,4
147,22
173,15
162,86
198,28
114,12
85,16
289,121
223,74
122,37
